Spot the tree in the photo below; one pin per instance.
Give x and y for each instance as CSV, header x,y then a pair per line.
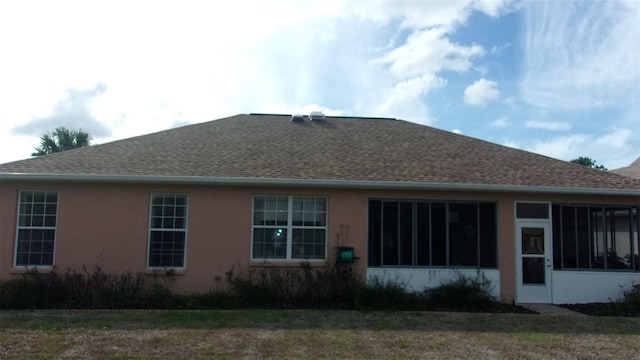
x,y
586,161
61,139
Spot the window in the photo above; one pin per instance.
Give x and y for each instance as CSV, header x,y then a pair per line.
x,y
35,239
595,237
423,233
532,210
289,227
167,230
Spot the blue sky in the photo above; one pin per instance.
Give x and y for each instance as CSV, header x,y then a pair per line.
x,y
560,78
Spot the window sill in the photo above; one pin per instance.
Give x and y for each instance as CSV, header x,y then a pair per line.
x,y
287,263
31,269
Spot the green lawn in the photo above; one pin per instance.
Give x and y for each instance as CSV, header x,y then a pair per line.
x,y
313,334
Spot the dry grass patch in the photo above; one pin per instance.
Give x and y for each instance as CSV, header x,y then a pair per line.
x,y
313,335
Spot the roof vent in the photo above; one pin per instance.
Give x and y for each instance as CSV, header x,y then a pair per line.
x,y
297,118
316,116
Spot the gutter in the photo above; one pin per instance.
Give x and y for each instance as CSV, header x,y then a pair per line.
x,y
316,183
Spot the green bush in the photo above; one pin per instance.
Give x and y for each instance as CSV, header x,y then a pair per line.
x,y
630,299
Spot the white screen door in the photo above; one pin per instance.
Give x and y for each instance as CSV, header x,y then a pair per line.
x,y
533,265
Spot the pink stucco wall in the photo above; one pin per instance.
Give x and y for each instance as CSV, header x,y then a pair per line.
x,y
107,226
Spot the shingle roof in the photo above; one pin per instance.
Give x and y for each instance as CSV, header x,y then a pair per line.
x,y
633,170
337,149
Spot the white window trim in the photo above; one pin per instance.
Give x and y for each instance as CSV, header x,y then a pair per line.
x,y
185,230
290,227
18,228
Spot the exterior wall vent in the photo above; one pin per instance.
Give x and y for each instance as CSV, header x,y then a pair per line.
x,y
297,118
316,116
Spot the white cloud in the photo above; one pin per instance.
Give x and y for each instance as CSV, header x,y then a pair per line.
x,y
73,112
581,54
457,131
501,122
548,125
429,51
481,92
613,149
564,147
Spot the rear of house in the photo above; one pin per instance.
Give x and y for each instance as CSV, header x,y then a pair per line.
x,y
416,204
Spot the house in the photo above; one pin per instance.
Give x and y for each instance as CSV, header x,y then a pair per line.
x,y
416,204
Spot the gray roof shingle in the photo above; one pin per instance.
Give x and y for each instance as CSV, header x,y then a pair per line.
x,y
633,170
336,149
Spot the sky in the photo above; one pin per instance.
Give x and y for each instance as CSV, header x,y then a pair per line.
x,y
559,78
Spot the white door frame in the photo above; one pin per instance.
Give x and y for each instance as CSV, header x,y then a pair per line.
x,y
533,280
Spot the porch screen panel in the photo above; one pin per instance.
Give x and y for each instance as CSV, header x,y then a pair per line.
x,y
405,231
422,234
463,234
582,236
569,251
488,235
597,241
375,235
595,237
438,234
619,241
390,248
635,240
414,233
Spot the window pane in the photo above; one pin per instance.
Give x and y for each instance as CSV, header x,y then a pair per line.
x,y
297,218
308,244
463,234
50,209
270,243
556,224
438,234
166,249
532,211
532,241
39,197
168,211
26,197
533,270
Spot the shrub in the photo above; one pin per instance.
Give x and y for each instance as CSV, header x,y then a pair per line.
x,y
21,293
267,287
386,295
630,302
464,293
298,287
72,290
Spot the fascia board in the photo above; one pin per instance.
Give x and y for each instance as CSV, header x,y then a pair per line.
x,y
319,183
